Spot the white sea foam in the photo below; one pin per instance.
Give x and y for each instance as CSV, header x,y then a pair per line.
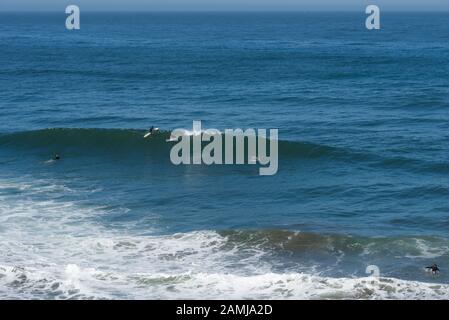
x,y
55,249
428,251
77,282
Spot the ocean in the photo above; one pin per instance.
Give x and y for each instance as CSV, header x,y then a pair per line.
x,y
363,175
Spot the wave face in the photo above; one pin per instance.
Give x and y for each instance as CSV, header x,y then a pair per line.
x,y
127,140
122,141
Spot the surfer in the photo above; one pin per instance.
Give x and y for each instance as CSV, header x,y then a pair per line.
x,y
434,268
151,131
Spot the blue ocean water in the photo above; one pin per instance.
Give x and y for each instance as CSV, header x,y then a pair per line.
x,y
363,156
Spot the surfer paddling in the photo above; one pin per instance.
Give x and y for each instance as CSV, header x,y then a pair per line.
x,y
433,268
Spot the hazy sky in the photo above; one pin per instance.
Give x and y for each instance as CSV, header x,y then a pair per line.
x,y
149,5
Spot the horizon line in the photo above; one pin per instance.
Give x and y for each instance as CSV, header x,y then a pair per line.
x,y
433,10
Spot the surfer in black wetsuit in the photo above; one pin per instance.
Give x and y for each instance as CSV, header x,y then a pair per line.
x,y
56,157
434,268
151,131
